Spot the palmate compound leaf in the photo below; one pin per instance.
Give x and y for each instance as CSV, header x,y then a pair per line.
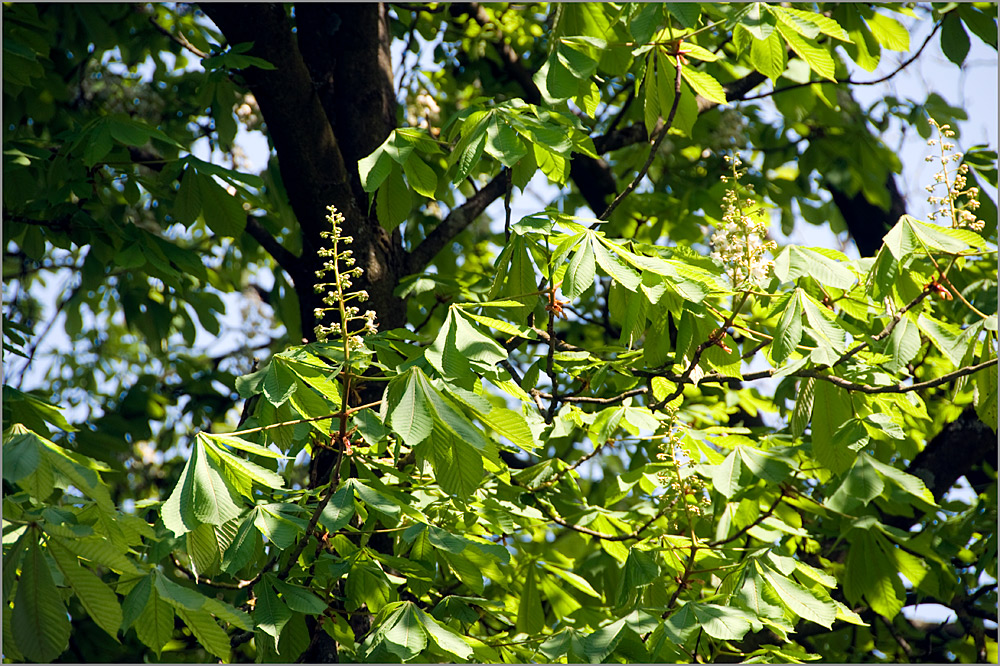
x,y
39,622
871,573
202,495
910,235
404,634
460,346
722,622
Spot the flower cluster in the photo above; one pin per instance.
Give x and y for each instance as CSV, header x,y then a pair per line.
x,y
740,241
337,298
959,202
678,480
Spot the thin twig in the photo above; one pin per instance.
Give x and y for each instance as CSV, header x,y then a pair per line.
x,y
559,475
656,145
206,581
179,39
849,81
600,401
335,415
761,518
884,333
601,535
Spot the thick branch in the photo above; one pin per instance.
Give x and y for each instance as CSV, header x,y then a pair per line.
x,y
288,261
312,166
456,221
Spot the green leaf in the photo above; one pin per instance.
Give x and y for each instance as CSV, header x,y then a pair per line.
x,y
278,523
242,445
986,392
470,156
822,324
421,177
889,32
97,598
393,202
270,614
757,21
155,624
209,634
687,108
824,265
801,21
444,637
871,573
338,511
651,96
136,601
621,274
954,40
910,235
530,616
686,13
902,345
789,331
580,273
460,346
818,59
831,409
201,495
298,598
862,484
575,580
946,337
764,464
798,599
502,142
40,625
769,56
374,169
223,212
640,570
726,623
809,24
408,413
726,476
367,584
704,84
404,633
579,64
206,545
374,499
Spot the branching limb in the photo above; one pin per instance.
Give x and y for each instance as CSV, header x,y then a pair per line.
x,y
599,401
288,261
852,82
206,581
636,534
761,518
454,223
178,39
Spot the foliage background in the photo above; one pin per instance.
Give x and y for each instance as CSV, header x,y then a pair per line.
x,y
100,190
